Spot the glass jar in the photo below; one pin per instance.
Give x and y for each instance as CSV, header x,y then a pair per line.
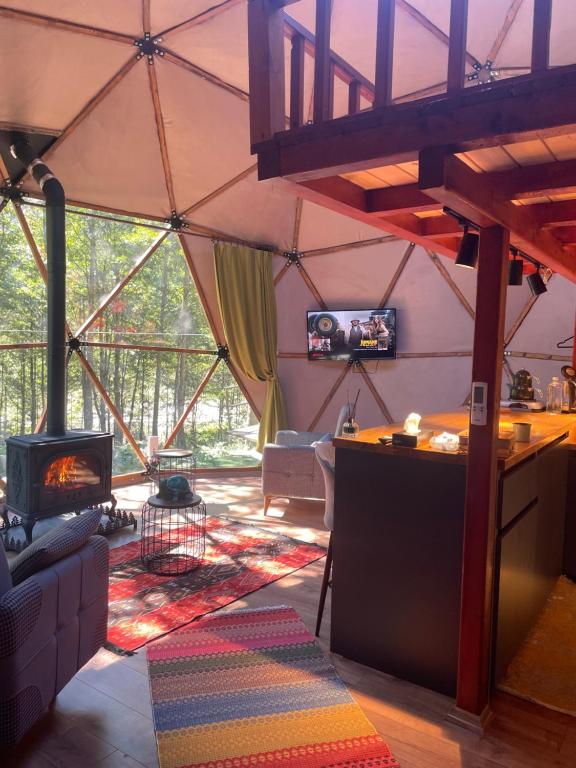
x,y
350,428
554,399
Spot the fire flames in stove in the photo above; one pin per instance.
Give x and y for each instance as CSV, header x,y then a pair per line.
x,y
69,472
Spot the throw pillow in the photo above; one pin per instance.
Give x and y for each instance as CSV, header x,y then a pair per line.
x,y
54,545
5,578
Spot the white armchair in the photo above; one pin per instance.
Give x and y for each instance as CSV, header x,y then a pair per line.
x,y
289,466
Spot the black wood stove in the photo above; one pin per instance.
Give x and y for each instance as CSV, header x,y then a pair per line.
x,y
55,471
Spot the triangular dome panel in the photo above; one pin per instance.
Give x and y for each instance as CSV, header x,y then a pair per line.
x,y
113,157
74,68
219,45
424,385
124,17
294,299
548,321
358,277
322,228
211,144
261,212
430,317
165,14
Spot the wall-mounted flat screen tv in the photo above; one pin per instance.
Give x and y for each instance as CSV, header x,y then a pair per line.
x,y
360,334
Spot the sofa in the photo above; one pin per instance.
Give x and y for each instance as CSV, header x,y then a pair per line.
x,y
53,617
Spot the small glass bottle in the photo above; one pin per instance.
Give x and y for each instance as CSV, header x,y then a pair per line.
x,y
554,400
350,428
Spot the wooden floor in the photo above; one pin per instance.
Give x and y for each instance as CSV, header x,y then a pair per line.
x,y
103,717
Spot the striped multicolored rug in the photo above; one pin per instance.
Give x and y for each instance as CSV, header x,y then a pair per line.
x,y
253,688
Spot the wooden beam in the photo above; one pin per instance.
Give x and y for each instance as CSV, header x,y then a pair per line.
x,y
407,198
192,403
204,74
297,57
217,192
384,52
536,180
481,478
65,25
565,234
541,34
558,214
328,399
515,6
322,65
354,93
451,282
161,133
136,267
451,182
266,70
344,197
396,276
200,18
375,394
457,46
113,410
527,107
218,338
349,246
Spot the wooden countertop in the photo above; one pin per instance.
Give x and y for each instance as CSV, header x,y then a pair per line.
x,y
545,430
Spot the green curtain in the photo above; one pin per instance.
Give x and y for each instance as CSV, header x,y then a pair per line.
x,y
248,309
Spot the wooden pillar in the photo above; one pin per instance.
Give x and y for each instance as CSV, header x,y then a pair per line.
x,y
457,44
574,347
322,66
297,55
481,484
266,69
384,52
541,34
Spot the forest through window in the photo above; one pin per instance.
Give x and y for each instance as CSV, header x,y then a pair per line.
x,y
146,353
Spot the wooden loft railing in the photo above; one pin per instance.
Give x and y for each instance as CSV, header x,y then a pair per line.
x,y
269,25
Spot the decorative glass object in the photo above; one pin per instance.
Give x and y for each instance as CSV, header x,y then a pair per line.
x,y
350,428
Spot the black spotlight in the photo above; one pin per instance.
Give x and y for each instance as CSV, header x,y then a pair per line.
x,y
468,251
535,282
515,269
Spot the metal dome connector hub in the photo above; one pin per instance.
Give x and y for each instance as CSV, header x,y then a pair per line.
x,y
293,257
149,47
176,222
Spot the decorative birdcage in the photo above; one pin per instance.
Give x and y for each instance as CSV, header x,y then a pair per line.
x,y
172,461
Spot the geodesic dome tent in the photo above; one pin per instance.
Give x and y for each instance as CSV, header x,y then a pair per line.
x,y
142,110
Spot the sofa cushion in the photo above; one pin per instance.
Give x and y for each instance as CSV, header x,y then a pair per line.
x,y
54,545
5,578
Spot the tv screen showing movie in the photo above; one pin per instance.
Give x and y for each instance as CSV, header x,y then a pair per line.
x,y
360,334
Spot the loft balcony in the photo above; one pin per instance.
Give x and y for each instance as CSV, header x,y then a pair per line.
x,y
495,145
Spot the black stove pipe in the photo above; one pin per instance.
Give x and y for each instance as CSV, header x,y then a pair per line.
x,y
56,265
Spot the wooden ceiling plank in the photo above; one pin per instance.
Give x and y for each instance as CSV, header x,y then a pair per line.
x,y
451,182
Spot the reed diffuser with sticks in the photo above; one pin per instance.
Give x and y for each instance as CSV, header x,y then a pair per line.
x,y
350,427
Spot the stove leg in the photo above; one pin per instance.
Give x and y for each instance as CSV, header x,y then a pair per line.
x,y
28,525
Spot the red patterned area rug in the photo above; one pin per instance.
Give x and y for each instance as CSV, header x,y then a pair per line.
x,y
239,559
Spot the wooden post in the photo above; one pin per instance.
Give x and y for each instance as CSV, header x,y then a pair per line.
x,y
481,484
541,34
322,64
457,44
297,81
354,89
384,52
266,69
574,347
